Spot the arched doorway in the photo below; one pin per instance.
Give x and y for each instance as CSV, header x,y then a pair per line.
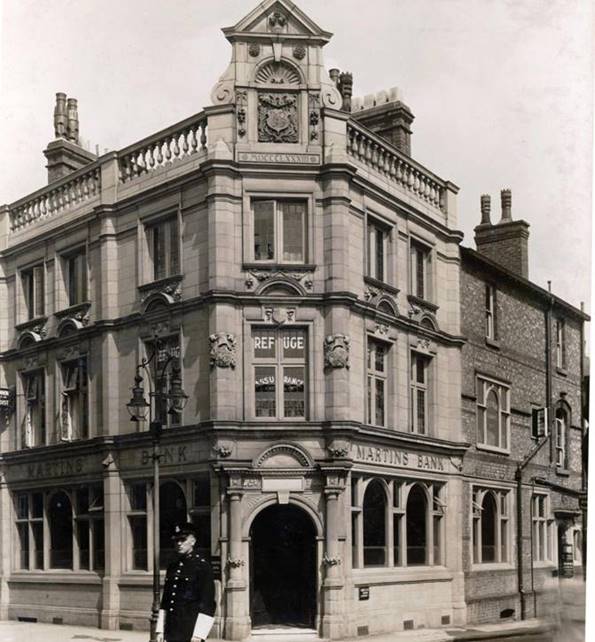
x,y
282,568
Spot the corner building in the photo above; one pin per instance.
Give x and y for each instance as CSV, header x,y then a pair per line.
x,y
301,270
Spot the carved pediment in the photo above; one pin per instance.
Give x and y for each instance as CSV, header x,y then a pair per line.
x,y
277,17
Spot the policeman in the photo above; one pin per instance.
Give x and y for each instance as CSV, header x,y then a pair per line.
x,y
188,600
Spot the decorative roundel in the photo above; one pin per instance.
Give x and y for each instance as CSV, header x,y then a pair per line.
x,y
254,49
277,73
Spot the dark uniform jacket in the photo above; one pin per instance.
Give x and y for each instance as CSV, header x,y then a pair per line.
x,y
189,590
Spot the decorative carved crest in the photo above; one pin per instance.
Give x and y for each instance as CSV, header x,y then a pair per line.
x,y
277,118
222,450
223,350
338,451
279,315
336,351
381,328
277,22
299,52
254,49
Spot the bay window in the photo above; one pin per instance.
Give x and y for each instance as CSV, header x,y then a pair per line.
x,y
280,372
279,231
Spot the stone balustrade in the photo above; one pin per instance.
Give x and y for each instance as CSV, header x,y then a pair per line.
x,y
70,191
179,141
379,155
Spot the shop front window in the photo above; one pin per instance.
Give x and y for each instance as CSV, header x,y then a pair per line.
x,y
60,526
29,522
280,372
491,525
417,539
374,511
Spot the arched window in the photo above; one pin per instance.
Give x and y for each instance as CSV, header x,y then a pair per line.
x,y
172,511
374,525
417,538
561,436
488,528
60,523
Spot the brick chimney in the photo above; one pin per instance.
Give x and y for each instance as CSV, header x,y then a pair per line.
x,y
505,242
64,154
385,114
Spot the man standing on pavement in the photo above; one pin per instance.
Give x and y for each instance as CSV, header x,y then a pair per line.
x,y
188,601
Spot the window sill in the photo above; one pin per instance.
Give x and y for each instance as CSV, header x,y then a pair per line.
x,y
393,574
562,472
493,343
161,284
30,324
563,372
492,566
278,267
73,310
492,449
544,564
56,576
381,285
422,303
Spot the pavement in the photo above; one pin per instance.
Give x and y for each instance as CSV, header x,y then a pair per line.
x,y
568,626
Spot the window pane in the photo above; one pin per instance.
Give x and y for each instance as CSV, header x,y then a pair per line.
x,y
82,501
492,418
504,541
374,515
265,341
397,539
369,400
294,392
420,370
138,532
37,532
202,521
23,531
379,268
380,354
60,522
264,391
138,496
159,271
379,402
420,273
294,215
38,291
294,344
437,540
354,548
421,411
174,247
98,544
83,542
22,506
488,529
202,492
72,281
416,527
264,230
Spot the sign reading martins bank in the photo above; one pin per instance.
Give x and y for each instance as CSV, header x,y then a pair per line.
x,y
399,458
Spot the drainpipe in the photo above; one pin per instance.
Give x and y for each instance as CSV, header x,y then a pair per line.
x,y
519,522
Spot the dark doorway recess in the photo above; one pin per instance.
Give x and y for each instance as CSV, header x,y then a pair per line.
x,y
283,568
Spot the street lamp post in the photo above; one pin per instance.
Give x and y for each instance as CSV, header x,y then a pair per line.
x,y
138,407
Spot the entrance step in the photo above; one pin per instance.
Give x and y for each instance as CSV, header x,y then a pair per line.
x,y
280,633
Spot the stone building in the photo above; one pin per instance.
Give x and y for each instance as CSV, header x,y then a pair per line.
x,y
283,259
522,405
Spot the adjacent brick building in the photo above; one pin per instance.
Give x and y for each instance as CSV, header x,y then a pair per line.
x,y
523,415
282,260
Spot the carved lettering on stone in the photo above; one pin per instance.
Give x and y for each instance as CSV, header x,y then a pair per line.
x,y
223,350
277,118
336,351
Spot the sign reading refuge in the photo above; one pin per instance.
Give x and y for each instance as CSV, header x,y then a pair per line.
x,y
399,458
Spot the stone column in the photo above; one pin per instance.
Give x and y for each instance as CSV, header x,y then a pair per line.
x,y
237,620
333,599
113,516
6,546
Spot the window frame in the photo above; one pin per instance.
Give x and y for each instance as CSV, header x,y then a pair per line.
x,y
375,230
33,435
74,399
420,255
491,329
171,263
560,339
373,377
542,529
502,526
416,387
278,229
484,386
29,521
33,284
76,276
561,436
280,363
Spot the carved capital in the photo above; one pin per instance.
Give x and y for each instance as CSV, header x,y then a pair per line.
x,y
235,563
222,450
331,561
223,350
336,351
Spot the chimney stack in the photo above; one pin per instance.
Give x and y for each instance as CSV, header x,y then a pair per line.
x,y
386,115
506,242
64,154
345,87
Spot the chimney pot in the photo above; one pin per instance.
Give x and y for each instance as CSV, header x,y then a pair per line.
x,y
506,199
60,115
73,121
485,209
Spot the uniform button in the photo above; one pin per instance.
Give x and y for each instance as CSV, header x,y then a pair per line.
x,y
175,585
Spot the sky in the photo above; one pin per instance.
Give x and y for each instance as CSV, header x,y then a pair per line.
x,y
501,91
